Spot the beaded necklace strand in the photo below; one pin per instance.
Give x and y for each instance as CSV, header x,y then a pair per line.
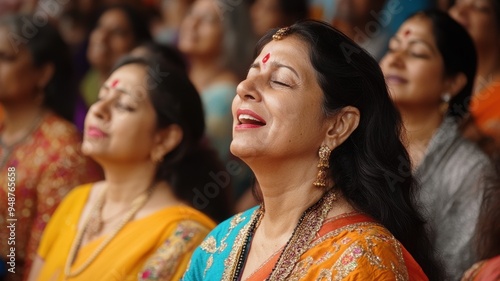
x,y
137,204
308,225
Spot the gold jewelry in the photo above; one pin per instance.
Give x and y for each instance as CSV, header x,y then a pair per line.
x,y
305,231
157,157
137,204
445,103
323,165
281,33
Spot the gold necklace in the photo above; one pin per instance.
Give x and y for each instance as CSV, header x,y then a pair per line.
x,y
306,229
137,204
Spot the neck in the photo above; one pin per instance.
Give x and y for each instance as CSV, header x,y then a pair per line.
x,y
287,193
19,119
125,182
420,126
203,72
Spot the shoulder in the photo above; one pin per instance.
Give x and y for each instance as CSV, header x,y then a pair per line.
x,y
235,222
78,194
210,257
358,251
54,126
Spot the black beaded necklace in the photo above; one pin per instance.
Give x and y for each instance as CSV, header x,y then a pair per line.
x,y
253,227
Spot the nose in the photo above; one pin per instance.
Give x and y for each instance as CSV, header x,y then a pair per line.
x,y
249,90
101,108
393,59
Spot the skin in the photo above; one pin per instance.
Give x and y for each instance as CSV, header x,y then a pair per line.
x,y
284,92
265,15
414,71
21,93
200,39
478,17
124,144
201,31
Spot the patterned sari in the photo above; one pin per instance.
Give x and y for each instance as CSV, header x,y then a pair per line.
x,y
347,247
155,247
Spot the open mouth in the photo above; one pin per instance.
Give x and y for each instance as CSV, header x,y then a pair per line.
x,y
246,119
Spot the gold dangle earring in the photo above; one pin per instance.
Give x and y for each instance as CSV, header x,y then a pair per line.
x,y
323,165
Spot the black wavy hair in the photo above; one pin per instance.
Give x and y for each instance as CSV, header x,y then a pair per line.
x,y
371,167
46,46
193,168
459,56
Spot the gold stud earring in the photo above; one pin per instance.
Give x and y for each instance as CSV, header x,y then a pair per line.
x,y
156,158
323,165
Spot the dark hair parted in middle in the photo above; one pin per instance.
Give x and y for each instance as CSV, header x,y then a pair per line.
x,y
372,167
193,168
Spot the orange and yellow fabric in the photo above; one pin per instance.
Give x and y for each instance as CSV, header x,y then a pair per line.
x,y
485,109
156,247
348,247
487,270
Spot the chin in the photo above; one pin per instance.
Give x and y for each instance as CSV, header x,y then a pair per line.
x,y
243,151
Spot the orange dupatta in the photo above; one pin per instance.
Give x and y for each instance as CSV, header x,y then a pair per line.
x,y
345,236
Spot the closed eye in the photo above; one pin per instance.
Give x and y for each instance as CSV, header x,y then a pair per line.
x,y
280,83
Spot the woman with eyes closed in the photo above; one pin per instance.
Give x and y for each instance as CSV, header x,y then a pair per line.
x,y
318,129
430,69
139,223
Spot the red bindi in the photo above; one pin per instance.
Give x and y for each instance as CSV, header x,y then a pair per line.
x,y
114,83
407,32
266,58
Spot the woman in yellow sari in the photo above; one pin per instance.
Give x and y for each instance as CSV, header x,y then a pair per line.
x,y
315,123
146,131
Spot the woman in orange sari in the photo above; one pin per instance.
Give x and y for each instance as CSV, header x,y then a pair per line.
x,y
315,123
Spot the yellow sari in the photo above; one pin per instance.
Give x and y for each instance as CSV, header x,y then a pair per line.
x,y
156,247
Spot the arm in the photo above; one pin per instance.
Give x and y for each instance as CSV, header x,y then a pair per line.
x,y
170,260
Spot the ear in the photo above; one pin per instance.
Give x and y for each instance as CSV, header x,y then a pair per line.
x,y
46,73
456,83
341,125
166,140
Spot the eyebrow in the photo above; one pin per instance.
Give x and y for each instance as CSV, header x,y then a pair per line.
x,y
121,91
414,41
276,65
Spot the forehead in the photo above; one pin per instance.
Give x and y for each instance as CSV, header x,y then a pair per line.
x,y
290,51
115,17
416,28
11,42
130,77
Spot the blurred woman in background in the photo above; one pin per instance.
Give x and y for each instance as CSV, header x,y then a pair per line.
x,y
430,69
217,40
119,29
481,18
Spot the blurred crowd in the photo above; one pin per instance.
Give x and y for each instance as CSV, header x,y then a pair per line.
x,y
56,57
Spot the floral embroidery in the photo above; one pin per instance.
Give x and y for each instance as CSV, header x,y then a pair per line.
x,y
209,245
348,261
162,265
